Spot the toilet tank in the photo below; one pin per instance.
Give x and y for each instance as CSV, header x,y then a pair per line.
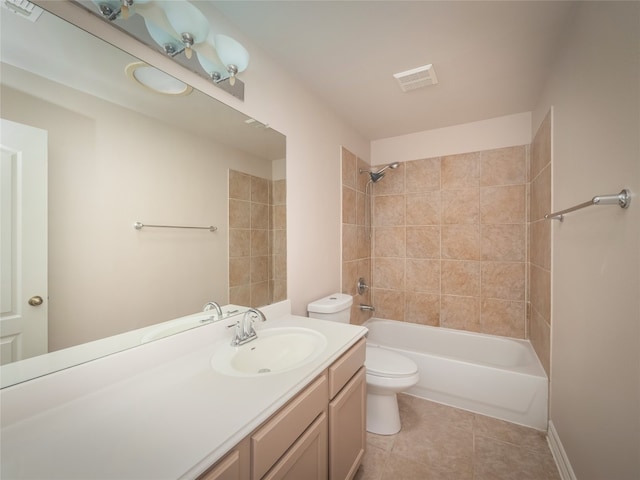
x,y
336,308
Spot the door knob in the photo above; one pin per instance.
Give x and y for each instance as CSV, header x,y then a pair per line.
x,y
36,301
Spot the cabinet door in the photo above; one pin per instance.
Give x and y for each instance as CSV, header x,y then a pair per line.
x,y
307,457
347,428
234,466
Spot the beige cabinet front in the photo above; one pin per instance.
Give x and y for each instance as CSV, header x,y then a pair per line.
x,y
307,458
347,427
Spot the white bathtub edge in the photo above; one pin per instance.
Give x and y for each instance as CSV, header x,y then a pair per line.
x,y
559,455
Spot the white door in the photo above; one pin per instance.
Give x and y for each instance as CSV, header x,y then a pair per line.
x,y
23,242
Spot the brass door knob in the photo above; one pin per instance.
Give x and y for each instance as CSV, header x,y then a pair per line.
x,y
36,301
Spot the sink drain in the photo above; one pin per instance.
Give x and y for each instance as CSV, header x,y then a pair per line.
x,y
264,370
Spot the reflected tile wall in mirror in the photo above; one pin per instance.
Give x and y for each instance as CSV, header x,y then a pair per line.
x,y
257,240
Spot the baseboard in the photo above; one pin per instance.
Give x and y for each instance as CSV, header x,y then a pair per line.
x,y
559,455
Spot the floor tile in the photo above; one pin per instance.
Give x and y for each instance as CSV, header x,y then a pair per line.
x,y
438,442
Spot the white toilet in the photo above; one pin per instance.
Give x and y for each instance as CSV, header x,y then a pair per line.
x,y
387,372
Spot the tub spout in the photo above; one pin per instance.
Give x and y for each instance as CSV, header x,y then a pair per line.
x,y
367,308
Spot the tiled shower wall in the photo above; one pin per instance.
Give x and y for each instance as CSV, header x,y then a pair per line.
x,y
540,243
449,241
356,244
257,240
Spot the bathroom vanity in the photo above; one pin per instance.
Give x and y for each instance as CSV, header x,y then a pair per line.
x,y
165,410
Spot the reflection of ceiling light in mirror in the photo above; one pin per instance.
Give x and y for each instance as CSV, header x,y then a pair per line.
x,y
156,80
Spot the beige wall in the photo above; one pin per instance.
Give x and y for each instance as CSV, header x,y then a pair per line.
x,y
595,342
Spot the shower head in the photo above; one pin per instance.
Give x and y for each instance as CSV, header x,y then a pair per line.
x,y
378,174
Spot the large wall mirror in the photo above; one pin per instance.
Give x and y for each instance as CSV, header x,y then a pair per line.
x,y
116,153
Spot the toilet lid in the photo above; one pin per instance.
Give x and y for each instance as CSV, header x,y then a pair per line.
x,y
386,363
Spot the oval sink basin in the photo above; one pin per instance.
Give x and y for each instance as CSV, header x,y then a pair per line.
x,y
276,350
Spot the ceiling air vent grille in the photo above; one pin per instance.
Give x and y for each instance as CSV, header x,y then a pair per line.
x,y
416,78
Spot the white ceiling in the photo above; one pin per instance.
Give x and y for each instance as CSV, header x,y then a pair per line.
x,y
491,58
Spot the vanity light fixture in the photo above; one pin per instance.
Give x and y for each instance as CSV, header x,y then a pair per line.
x,y
178,26
156,80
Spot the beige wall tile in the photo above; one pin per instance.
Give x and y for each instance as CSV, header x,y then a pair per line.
x,y
461,313
461,242
259,190
422,175
349,242
362,178
423,308
505,281
260,294
239,242
540,243
350,278
239,271
541,194
239,185
540,336
388,273
389,303
259,269
460,278
502,317
423,275
259,242
503,166
349,214
461,205
389,241
361,207
389,210
259,215
503,204
239,214
423,208
460,171
540,286
364,243
423,242
541,147
240,295
504,243
349,169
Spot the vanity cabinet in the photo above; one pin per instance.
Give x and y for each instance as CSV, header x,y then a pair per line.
x,y
318,435
347,413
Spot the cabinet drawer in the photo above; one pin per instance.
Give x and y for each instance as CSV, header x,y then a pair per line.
x,y
307,458
271,441
346,366
234,466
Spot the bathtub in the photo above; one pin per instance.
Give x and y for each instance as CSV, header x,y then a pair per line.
x,y
496,376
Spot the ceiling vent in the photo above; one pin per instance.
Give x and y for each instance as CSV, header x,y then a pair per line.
x,y
416,78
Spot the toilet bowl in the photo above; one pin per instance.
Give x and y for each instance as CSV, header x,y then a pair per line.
x,y
387,372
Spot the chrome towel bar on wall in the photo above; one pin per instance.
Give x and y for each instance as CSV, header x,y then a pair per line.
x,y
622,199
140,226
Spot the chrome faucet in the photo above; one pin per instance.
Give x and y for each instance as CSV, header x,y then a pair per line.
x,y
212,306
369,308
244,328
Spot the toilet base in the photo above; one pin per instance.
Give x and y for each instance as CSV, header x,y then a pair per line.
x,y
383,415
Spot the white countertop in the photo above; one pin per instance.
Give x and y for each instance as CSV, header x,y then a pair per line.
x,y
157,411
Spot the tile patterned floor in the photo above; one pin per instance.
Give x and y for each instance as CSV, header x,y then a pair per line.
x,y
444,443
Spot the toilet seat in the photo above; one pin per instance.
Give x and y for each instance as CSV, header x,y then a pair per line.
x,y
385,363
